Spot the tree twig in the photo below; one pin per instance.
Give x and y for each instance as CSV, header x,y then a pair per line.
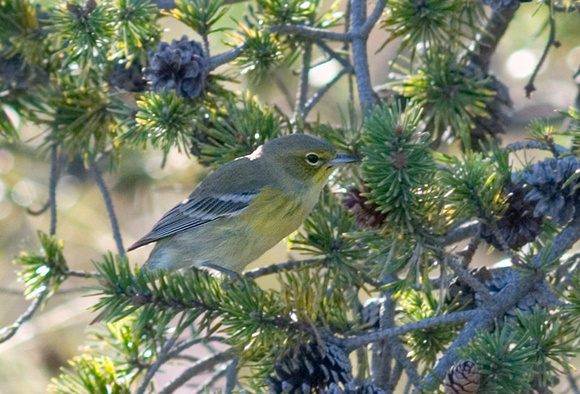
x,y
322,91
180,347
452,318
110,209
333,54
312,33
161,358
231,376
465,231
223,58
468,279
275,268
505,299
373,18
52,183
359,55
521,145
202,365
302,93
211,381
8,332
529,88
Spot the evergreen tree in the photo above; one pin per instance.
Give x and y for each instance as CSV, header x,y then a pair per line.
x,y
99,82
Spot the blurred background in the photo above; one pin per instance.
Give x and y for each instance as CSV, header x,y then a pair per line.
x,y
143,191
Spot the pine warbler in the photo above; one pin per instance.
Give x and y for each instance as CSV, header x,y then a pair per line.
x,y
245,207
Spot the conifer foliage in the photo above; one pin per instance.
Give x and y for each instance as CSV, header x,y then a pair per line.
x,y
99,80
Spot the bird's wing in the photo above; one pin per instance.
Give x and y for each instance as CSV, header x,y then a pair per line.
x,y
195,211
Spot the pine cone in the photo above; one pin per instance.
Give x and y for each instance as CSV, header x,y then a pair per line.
x,y
179,66
512,4
463,378
365,213
16,75
129,79
546,180
371,313
497,279
518,225
499,111
311,366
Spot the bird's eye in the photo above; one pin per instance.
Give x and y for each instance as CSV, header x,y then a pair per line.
x,y
312,158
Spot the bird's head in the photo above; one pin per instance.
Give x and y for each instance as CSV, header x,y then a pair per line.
x,y
304,157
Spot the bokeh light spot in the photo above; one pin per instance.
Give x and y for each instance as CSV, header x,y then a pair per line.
x,y
323,74
24,193
573,58
6,161
521,64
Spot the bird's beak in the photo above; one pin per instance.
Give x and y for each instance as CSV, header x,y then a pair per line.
x,y
343,159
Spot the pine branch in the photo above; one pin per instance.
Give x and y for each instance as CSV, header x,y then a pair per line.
x,y
110,209
302,93
311,33
466,277
276,268
522,145
52,183
211,381
452,318
322,91
231,376
333,54
202,366
359,54
8,332
506,299
529,88
161,359
465,231
223,58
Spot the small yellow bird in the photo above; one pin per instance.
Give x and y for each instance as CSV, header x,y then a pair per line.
x,y
245,207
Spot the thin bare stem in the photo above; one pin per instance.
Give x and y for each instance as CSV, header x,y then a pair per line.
x,y
373,18
322,91
223,58
52,183
452,318
161,359
529,88
521,145
8,332
469,279
465,231
40,211
82,274
360,56
333,54
231,376
275,268
211,381
205,41
400,354
395,377
302,93
110,209
201,366
192,342
505,299
312,33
